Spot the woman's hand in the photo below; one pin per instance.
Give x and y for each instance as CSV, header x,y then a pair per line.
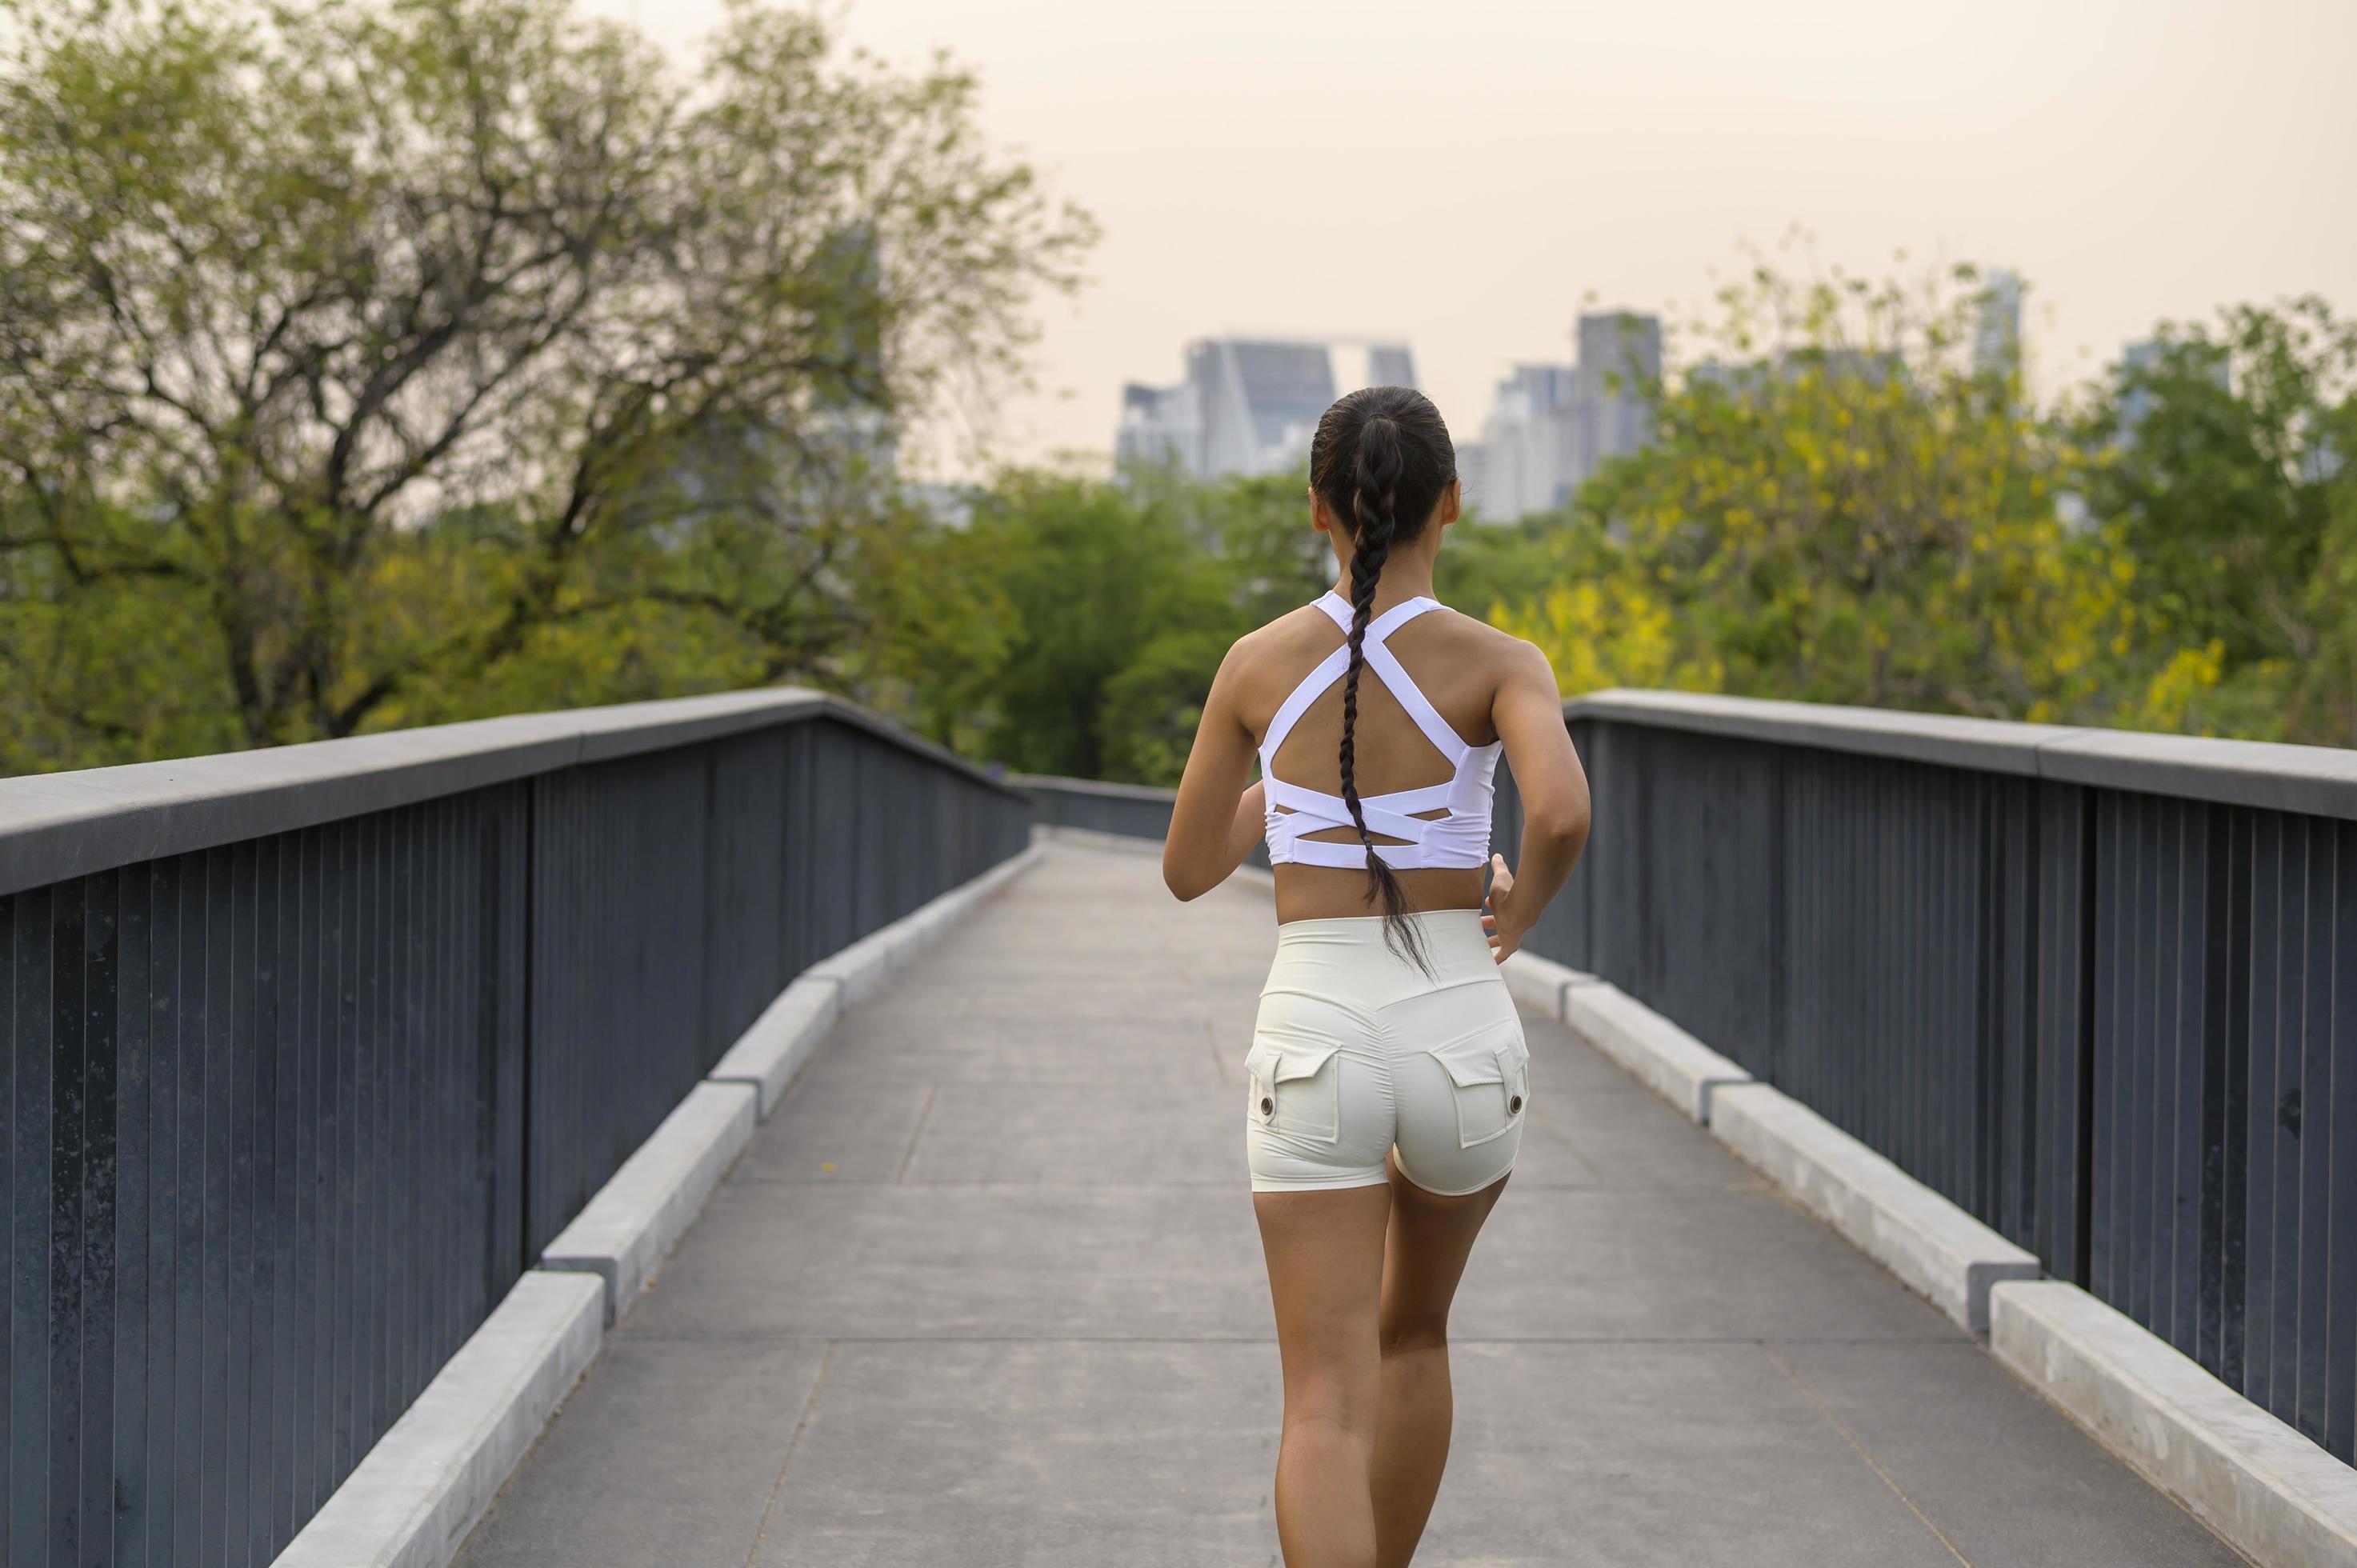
x,y
1500,919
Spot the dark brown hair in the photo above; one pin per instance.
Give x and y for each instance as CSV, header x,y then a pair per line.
x,y
1381,459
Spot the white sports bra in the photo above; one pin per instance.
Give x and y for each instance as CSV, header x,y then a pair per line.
x,y
1461,838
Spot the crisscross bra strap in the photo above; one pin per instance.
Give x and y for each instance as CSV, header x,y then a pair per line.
x,y
1387,669
1461,838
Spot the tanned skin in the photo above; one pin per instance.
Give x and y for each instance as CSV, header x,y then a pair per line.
x,y
1362,1278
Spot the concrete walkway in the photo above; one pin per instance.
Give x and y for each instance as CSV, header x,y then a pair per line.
x,y
986,1291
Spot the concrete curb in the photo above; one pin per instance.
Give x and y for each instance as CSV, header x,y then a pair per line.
x,y
425,1485
857,971
1656,1052
2268,1490
863,966
1540,985
923,927
1929,1242
631,1226
410,1502
1099,838
786,1034
791,1028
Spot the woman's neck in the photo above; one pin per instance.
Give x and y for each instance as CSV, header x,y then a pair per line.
x,y
1401,581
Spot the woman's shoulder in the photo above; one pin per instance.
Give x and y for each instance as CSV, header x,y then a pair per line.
x,y
1484,658
1303,627
1262,666
1471,634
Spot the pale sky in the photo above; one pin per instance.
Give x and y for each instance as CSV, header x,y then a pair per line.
x,y
1465,173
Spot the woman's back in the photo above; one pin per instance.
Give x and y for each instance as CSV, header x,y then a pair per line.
x,y
1456,663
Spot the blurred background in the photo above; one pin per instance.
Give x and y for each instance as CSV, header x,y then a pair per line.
x,y
388,362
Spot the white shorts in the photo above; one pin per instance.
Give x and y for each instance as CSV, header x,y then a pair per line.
x,y
1358,1052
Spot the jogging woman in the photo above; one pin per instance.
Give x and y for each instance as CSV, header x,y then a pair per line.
x,y
1388,1079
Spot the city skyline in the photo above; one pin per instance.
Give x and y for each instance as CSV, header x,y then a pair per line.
x,y
2134,164
1547,425
1248,405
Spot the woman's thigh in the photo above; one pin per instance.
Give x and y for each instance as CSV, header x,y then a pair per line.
x,y
1426,1250
1325,1252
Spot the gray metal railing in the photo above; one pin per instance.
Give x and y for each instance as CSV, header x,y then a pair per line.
x,y
306,1053
2099,988
1125,810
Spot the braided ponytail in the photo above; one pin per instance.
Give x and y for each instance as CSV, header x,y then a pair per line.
x,y
1374,509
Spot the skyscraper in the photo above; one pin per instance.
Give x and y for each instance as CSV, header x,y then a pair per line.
x,y
1611,413
1248,405
1996,324
1159,426
1526,445
1551,426
1473,473
2136,401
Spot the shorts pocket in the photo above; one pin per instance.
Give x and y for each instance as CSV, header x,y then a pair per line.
x,y
1490,1077
1295,1089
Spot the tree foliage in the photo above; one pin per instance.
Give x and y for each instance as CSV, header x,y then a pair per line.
x,y
358,359
371,363
2222,464
1119,600
1845,508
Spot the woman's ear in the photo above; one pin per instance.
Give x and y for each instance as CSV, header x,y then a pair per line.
x,y
1321,516
1450,500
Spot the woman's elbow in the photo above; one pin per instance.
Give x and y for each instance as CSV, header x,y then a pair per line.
x,y
1186,883
1563,822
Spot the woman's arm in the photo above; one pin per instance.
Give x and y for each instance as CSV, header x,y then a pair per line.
x,y
1216,818
1528,712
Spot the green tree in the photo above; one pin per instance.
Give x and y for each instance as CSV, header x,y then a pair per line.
x,y
1097,577
1840,508
282,285
1275,561
2223,470
1488,564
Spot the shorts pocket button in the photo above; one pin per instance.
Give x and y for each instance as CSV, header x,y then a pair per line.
x,y
1267,1106
1514,1106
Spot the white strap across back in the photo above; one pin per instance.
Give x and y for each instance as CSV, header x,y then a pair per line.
x,y
1461,838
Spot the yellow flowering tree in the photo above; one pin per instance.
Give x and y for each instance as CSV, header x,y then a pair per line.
x,y
1842,505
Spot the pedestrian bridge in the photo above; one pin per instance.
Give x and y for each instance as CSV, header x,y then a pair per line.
x,y
367,1100
987,1289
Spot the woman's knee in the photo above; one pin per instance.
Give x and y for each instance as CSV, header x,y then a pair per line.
x,y
1412,1332
1342,1396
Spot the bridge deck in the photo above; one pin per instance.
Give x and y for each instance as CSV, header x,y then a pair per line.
x,y
986,1290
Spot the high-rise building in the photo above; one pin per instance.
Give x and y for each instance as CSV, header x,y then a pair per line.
x,y
1390,365
1527,442
1996,324
1551,426
1159,426
1248,405
1473,473
2135,401
1260,401
1611,414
